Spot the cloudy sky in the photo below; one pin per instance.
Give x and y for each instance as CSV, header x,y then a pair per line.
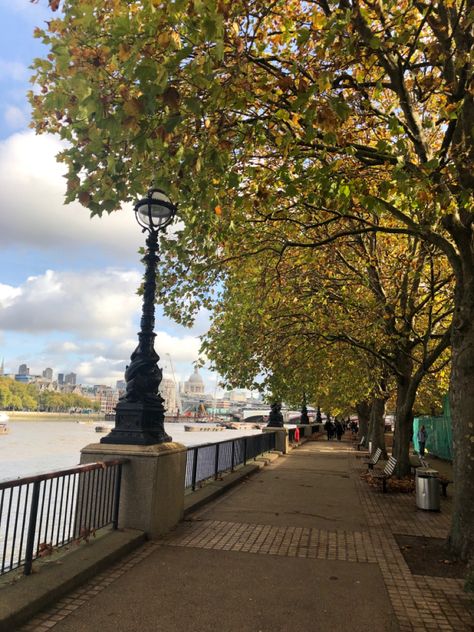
x,y
67,282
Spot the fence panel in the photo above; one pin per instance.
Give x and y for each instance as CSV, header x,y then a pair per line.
x,y
39,514
212,459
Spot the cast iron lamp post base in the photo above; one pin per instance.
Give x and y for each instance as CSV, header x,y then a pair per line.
x,y
138,423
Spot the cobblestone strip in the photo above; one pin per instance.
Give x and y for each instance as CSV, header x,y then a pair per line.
x,y
284,541
421,604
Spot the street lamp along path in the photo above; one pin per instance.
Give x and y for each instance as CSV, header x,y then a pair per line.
x,y
140,414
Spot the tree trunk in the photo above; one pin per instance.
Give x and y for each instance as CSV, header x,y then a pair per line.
x,y
406,392
363,415
462,410
377,425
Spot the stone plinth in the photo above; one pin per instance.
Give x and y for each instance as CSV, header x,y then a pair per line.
x,y
152,490
281,438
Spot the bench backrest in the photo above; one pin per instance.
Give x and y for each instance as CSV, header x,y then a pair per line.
x,y
390,467
376,455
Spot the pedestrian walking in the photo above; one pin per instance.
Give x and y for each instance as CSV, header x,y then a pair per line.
x,y
422,436
328,429
339,430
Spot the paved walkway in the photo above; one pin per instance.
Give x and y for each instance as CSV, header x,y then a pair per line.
x,y
303,545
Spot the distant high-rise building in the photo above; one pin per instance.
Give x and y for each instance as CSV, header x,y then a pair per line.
x,y
23,370
61,378
70,378
48,374
2,367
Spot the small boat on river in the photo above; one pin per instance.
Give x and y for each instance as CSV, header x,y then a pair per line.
x,y
232,425
203,428
104,428
4,429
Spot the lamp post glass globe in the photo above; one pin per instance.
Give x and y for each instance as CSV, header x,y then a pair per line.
x,y
155,211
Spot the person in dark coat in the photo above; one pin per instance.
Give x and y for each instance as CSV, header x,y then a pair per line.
x,y
328,429
339,430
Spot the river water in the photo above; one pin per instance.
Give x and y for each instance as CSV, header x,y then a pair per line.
x,y
37,446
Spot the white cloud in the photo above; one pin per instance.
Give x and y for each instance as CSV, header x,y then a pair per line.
x,y
62,348
34,214
100,370
184,349
15,117
91,304
8,294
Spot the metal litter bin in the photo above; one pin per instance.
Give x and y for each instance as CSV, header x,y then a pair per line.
x,y
427,489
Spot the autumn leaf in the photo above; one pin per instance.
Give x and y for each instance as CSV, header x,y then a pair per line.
x,y
132,107
171,98
84,198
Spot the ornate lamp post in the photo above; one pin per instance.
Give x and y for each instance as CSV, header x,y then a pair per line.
x,y
319,418
304,411
275,418
139,416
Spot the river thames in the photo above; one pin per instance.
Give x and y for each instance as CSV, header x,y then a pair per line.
x,y
37,446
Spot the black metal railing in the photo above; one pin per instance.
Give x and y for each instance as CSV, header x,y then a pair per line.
x,y
39,514
212,459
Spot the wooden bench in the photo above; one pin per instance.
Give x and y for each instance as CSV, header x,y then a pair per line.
x,y
387,473
360,444
444,482
373,459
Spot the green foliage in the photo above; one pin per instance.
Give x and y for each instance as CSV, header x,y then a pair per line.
x,y
18,396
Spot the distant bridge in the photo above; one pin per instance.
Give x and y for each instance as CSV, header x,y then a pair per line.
x,y
289,416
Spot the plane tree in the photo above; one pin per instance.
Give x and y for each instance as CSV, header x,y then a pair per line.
x,y
386,297
248,104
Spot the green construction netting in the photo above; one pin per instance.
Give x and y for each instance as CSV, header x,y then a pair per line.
x,y
439,441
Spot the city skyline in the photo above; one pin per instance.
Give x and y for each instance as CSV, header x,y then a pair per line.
x,y
68,283
178,395
62,374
